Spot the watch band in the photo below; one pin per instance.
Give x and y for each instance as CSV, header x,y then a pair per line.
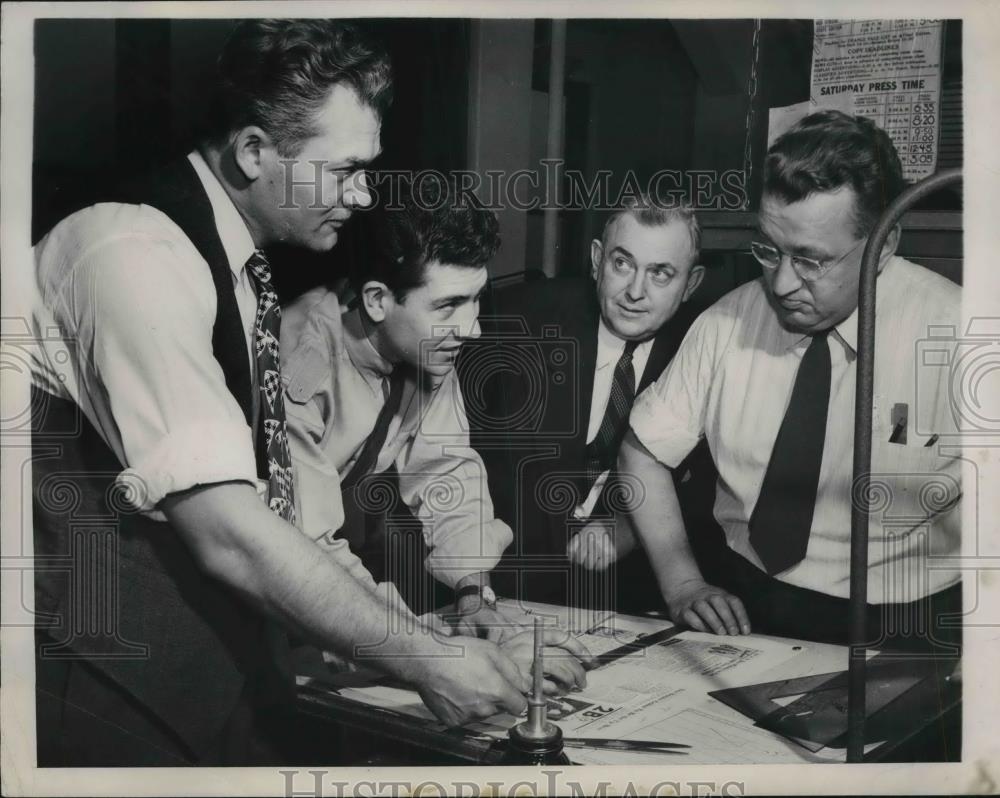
x,y
468,590
483,591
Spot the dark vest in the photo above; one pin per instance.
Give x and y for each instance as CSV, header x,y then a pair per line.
x,y
119,590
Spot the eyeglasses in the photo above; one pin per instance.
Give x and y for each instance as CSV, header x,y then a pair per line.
x,y
807,269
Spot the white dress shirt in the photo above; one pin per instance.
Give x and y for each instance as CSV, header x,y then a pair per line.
x,y
609,351
124,312
731,381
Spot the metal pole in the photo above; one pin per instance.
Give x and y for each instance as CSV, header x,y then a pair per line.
x,y
858,632
554,143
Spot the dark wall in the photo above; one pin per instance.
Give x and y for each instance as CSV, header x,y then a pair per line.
x,y
630,101
113,97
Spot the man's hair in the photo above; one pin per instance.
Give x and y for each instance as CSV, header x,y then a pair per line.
x,y
829,150
655,213
427,225
277,73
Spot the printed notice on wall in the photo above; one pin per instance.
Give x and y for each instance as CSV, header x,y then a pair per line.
x,y
889,71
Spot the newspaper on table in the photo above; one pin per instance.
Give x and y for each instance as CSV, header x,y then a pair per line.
x,y
657,693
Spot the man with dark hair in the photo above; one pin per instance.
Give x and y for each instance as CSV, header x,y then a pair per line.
x,y
173,386
621,325
767,376
277,75
374,386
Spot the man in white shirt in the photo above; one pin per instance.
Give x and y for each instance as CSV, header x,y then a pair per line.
x,y
767,376
165,299
552,384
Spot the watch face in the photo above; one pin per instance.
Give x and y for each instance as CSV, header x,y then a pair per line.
x,y
489,596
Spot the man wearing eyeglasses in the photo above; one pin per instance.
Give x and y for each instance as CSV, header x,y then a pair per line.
x,y
767,377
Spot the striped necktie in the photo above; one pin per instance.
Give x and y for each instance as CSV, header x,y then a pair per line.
x,y
602,452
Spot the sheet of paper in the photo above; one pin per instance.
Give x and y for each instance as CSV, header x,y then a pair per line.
x,y
656,693
693,660
714,737
657,681
888,70
780,119
406,702
574,619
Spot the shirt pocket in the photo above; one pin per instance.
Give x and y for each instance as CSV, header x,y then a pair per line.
x,y
912,481
304,371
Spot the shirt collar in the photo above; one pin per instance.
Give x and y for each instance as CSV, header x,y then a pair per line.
x,y
847,330
233,232
610,346
361,350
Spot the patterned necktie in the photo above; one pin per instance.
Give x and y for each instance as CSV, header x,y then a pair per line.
x,y
603,450
782,517
274,462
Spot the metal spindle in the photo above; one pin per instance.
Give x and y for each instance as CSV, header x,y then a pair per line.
x,y
858,631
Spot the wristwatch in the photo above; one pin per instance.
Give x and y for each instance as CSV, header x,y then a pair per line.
x,y
483,591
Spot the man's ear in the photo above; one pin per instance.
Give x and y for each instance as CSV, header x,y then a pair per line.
x,y
377,299
695,276
596,256
889,247
248,146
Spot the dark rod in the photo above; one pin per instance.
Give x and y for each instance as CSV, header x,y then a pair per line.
x,y
863,452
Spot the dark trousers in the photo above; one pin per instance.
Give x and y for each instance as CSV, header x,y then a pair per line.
x,y
84,719
777,608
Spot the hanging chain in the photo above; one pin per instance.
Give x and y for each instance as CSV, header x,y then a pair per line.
x,y
751,102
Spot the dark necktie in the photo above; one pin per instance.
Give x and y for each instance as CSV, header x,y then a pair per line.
x,y
376,440
782,517
274,462
602,452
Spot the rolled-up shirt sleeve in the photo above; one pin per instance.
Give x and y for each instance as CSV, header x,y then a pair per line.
x,y
141,309
668,417
443,481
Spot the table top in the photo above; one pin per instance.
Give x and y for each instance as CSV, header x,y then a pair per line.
x,y
318,696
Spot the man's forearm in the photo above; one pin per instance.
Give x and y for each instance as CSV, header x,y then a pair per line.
x,y
656,518
242,543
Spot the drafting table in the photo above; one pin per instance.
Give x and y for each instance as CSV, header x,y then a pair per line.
x,y
384,735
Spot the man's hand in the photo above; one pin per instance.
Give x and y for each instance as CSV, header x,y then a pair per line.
x,y
481,682
477,619
566,659
706,608
599,544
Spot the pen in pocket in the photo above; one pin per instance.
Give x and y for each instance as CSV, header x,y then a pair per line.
x,y
899,419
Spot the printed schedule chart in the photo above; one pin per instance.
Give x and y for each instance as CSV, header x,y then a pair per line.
x,y
889,71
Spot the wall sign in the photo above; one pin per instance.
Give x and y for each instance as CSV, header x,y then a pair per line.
x,y
889,71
